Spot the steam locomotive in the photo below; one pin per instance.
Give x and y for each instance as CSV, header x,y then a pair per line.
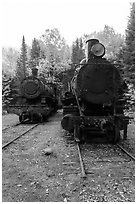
x,y
37,99
94,104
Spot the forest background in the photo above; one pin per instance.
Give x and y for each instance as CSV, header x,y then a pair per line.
x,y
56,60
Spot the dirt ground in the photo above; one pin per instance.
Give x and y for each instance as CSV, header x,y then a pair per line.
x,y
34,170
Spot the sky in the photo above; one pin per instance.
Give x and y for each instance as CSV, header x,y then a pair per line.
x,y
73,18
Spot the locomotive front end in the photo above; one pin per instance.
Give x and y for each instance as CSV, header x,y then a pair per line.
x,y
37,99
93,103
32,87
97,82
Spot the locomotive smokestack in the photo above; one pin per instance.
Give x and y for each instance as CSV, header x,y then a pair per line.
x,y
34,72
89,44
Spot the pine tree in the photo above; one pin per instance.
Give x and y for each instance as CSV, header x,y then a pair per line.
x,y
77,51
35,54
126,57
22,62
129,49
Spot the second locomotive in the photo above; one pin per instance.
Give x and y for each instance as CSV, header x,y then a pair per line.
x,y
37,99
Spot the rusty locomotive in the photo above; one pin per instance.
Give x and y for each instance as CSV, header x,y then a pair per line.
x,y
94,104
37,99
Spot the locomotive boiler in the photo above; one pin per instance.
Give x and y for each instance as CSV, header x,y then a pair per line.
x,y
95,104
37,99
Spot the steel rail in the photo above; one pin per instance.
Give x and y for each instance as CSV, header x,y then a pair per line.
x,y
7,144
84,174
81,162
126,152
11,126
14,125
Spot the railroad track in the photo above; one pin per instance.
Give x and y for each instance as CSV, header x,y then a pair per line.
x,y
126,152
17,137
14,125
6,128
85,172
90,158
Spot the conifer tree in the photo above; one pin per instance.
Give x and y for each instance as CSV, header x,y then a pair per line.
x,y
35,54
22,62
77,51
129,49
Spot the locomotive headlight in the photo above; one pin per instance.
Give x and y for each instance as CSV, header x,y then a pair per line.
x,y
98,50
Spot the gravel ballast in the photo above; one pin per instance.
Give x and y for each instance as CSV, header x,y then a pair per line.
x,y
43,166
